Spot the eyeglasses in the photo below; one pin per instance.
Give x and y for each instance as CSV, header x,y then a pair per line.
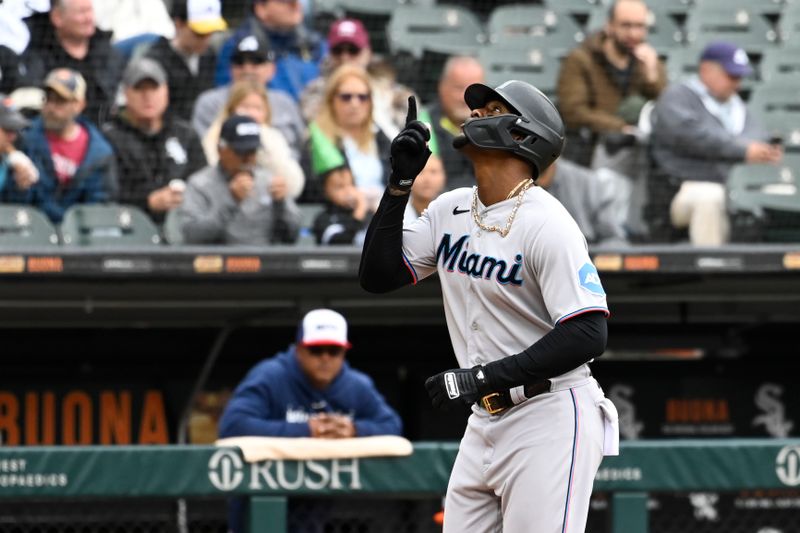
x,y
333,351
345,48
346,97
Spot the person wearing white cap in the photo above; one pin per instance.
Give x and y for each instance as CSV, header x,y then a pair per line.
x,y
188,58
308,390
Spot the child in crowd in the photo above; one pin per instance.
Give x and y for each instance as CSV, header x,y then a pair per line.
x,y
347,214
428,185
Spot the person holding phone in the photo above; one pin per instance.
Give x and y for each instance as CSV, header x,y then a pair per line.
x,y
701,128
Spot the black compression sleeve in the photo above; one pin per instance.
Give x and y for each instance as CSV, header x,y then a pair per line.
x,y
567,346
382,268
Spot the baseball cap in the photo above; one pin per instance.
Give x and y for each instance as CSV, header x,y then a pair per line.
x,y
241,134
733,59
143,68
252,46
10,118
350,31
323,327
205,16
68,83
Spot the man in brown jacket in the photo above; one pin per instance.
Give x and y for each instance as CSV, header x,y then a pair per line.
x,y
607,68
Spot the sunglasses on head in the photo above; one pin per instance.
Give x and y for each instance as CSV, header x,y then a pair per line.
x,y
318,351
346,48
346,97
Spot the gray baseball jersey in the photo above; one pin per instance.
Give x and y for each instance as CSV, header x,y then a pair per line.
x,y
501,295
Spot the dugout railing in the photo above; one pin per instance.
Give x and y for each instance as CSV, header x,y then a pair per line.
x,y
190,471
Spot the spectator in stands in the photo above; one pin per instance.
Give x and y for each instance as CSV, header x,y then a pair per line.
x,y
188,57
450,112
598,76
701,128
345,129
74,160
155,151
429,184
67,38
254,60
250,98
590,197
308,390
17,172
299,50
348,44
236,202
346,215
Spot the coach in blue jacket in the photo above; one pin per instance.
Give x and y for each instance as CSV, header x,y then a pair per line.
x,y
309,390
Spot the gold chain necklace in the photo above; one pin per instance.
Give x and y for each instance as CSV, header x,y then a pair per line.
x,y
516,189
502,231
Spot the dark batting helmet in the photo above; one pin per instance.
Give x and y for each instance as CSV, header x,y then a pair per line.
x,y
534,133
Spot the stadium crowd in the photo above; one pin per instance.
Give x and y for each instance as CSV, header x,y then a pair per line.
x,y
271,132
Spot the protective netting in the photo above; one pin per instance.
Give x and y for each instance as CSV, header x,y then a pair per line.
x,y
773,511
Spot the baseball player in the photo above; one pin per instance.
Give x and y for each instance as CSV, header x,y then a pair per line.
x,y
525,309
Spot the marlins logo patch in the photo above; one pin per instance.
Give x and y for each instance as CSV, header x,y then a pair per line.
x,y
590,279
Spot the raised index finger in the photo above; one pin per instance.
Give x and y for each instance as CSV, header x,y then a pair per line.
x,y
412,110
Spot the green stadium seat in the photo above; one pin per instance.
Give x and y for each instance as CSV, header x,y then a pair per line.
x,y
748,29
771,7
171,229
444,29
533,63
780,64
520,22
764,203
308,213
22,226
108,225
775,96
789,24
784,124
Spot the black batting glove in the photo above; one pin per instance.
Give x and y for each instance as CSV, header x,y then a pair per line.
x,y
457,386
409,152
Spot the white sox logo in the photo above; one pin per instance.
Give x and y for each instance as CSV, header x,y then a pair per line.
x,y
768,399
629,427
787,465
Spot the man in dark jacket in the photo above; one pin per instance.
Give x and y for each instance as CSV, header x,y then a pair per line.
x,y
155,151
307,391
75,162
188,57
67,37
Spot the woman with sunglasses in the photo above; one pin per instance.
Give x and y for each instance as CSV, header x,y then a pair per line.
x,y
345,129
